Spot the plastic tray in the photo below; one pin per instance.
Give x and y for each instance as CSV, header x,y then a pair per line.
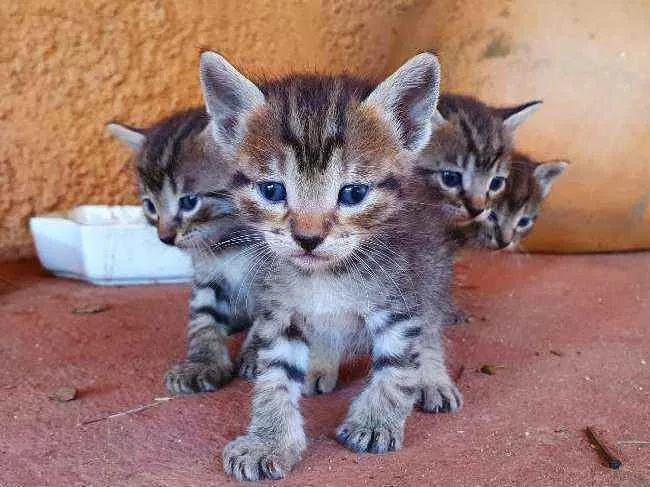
x,y
107,245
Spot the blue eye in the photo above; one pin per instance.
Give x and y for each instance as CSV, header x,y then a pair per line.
x,y
493,217
149,206
188,202
524,221
497,183
352,194
451,179
273,191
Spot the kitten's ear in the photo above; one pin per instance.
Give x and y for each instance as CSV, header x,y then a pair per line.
x,y
408,99
229,95
515,116
547,172
132,137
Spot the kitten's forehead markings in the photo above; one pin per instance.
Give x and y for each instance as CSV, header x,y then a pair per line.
x,y
469,173
168,197
469,132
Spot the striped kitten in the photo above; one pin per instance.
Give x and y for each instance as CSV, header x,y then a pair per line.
x,y
512,217
468,157
321,176
181,175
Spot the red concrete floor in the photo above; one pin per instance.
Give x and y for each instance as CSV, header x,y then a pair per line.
x,y
571,332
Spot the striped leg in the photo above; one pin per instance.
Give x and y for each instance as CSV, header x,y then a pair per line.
x,y
208,365
375,421
275,438
247,358
438,392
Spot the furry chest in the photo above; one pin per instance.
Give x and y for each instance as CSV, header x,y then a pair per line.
x,y
333,297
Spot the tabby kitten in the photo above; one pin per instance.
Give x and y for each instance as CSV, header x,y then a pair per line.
x,y
181,174
512,217
321,164
468,157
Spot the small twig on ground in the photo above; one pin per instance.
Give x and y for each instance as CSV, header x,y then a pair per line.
x,y
90,309
144,407
612,461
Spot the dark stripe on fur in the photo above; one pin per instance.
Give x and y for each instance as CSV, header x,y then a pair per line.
x,y
400,361
293,332
293,372
467,131
257,342
392,320
413,332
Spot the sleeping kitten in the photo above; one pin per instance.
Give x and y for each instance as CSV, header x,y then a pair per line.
x,y
321,165
468,157
512,217
181,174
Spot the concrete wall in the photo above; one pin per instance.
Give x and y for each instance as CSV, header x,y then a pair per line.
x,y
67,68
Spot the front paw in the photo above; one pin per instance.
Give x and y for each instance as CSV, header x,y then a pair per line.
x,y
191,377
320,382
247,364
440,397
371,438
252,458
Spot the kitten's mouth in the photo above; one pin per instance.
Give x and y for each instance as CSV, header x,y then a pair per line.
x,y
309,259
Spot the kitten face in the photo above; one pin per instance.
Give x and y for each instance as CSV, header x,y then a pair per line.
x,y
317,196
468,157
178,173
320,157
512,218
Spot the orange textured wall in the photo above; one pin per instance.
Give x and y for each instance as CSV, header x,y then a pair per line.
x,y
67,68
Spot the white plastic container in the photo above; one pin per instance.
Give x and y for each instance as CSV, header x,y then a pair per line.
x,y
107,245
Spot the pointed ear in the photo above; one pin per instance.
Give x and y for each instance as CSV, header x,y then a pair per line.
x,y
408,99
132,137
547,172
515,116
229,96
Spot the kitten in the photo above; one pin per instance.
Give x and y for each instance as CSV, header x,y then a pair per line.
x,y
468,157
512,217
181,174
321,175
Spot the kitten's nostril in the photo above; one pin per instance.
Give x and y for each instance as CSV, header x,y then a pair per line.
x,y
308,243
167,239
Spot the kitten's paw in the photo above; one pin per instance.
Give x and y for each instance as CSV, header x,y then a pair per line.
x,y
319,382
370,438
247,364
251,458
190,377
441,397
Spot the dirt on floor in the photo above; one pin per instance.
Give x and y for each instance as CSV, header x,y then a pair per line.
x,y
568,338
